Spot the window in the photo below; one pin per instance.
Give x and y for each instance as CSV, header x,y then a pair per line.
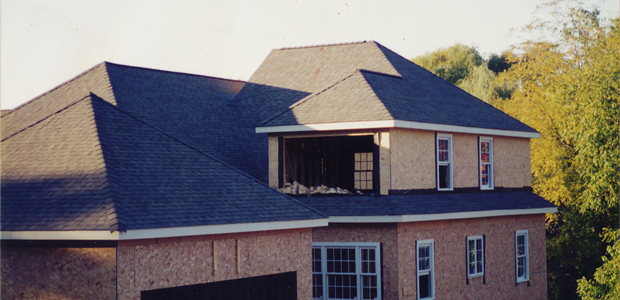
x,y
444,162
363,171
475,256
346,271
521,256
426,261
486,163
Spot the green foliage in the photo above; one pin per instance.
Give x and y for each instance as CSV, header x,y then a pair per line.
x,y
606,281
569,91
463,66
499,63
452,64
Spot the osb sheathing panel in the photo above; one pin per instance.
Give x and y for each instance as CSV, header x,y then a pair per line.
x,y
450,260
186,261
384,162
412,159
273,161
376,233
58,273
465,159
512,162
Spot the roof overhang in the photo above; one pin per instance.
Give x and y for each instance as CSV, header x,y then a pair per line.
x,y
440,217
100,235
395,124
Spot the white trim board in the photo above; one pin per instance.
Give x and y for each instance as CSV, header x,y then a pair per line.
x,y
102,235
395,124
438,217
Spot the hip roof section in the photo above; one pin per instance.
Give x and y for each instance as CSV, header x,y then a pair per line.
x,y
401,90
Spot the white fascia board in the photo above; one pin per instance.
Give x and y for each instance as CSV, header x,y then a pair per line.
x,y
327,126
76,235
395,124
219,229
101,235
439,217
465,129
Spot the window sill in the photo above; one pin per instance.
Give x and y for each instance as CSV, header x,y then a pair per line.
x,y
475,275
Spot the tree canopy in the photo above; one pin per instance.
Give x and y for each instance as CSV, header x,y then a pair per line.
x,y
569,91
568,88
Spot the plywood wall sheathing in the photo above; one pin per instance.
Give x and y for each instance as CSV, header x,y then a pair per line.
x,y
273,162
412,159
58,273
512,162
450,260
186,261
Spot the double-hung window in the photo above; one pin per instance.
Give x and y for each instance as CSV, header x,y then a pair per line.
x,y
475,256
521,256
346,271
444,162
485,150
425,259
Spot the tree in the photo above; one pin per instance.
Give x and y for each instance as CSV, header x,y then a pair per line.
x,y
463,66
452,64
569,91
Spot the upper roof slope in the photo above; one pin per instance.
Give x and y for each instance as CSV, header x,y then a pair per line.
x,y
414,95
97,164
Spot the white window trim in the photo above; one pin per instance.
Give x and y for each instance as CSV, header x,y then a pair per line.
x,y
358,264
441,136
491,184
526,274
419,244
475,238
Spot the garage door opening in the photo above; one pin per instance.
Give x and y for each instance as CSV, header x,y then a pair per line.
x,y
277,286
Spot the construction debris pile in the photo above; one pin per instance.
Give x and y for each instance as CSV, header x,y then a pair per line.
x,y
297,188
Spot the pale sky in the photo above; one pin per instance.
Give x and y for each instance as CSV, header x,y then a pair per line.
x,y
45,43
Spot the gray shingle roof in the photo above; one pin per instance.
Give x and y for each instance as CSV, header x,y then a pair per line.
x,y
436,203
98,164
416,95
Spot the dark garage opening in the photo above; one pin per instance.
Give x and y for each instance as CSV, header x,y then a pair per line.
x,y
276,286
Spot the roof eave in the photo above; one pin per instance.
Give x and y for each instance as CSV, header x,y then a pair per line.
x,y
395,124
440,217
138,234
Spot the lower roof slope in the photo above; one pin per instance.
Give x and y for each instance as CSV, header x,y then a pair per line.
x,y
92,166
431,206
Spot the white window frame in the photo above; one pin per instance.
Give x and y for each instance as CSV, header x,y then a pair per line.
x,y
430,271
449,163
526,255
358,265
474,239
490,184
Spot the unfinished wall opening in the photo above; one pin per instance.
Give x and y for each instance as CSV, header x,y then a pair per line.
x,y
347,162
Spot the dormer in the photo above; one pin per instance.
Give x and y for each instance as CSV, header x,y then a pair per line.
x,y
407,131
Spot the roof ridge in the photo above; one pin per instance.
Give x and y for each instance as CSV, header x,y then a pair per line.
x,y
54,88
325,45
208,156
46,117
111,212
168,71
307,98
